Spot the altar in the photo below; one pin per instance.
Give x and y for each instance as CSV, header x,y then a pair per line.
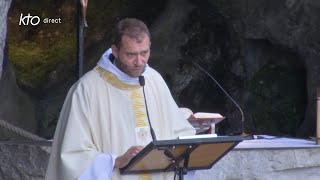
x,y
268,157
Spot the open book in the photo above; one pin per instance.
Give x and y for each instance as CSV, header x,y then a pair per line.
x,y
203,122
201,116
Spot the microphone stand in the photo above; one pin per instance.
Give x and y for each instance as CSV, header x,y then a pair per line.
x,y
242,116
142,83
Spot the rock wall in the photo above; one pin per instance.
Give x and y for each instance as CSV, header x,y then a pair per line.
x,y
4,5
22,162
294,26
263,53
15,106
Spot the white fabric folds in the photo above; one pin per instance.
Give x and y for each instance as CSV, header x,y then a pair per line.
x,y
98,123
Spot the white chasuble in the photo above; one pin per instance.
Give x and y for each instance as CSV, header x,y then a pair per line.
x,y
143,135
102,117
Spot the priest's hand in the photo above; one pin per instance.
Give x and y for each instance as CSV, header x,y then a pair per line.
x,y
124,159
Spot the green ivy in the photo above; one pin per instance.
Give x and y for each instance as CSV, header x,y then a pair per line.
x,y
33,61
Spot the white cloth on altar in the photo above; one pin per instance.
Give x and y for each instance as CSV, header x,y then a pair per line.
x,y
95,117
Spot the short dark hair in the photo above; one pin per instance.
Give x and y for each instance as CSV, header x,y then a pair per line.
x,y
134,28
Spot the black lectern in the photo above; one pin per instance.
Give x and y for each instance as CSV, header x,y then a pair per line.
x,y
181,155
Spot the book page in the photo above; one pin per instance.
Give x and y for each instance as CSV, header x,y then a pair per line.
x,y
198,136
203,115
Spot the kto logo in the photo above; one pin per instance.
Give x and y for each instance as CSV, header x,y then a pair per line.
x,y
26,20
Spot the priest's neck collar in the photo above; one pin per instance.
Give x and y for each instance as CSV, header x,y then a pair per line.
x,y
106,64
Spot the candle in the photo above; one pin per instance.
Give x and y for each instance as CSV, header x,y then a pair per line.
x,y
318,116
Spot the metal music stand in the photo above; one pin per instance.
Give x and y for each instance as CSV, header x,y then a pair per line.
x,y
181,155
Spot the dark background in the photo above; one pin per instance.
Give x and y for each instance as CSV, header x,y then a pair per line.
x,y
264,53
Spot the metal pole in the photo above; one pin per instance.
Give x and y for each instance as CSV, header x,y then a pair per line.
x,y
318,116
79,40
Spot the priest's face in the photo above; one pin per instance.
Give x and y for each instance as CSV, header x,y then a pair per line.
x,y
132,54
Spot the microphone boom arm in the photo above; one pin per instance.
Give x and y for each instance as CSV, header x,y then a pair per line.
x,y
242,116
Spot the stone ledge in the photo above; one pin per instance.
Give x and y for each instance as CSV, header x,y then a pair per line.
x,y
25,162
273,162
29,162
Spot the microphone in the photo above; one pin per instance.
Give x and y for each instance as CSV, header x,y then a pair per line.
x,y
142,83
111,57
205,72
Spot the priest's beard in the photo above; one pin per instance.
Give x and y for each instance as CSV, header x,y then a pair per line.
x,y
124,68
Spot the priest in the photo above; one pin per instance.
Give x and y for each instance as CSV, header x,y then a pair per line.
x,y
104,124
